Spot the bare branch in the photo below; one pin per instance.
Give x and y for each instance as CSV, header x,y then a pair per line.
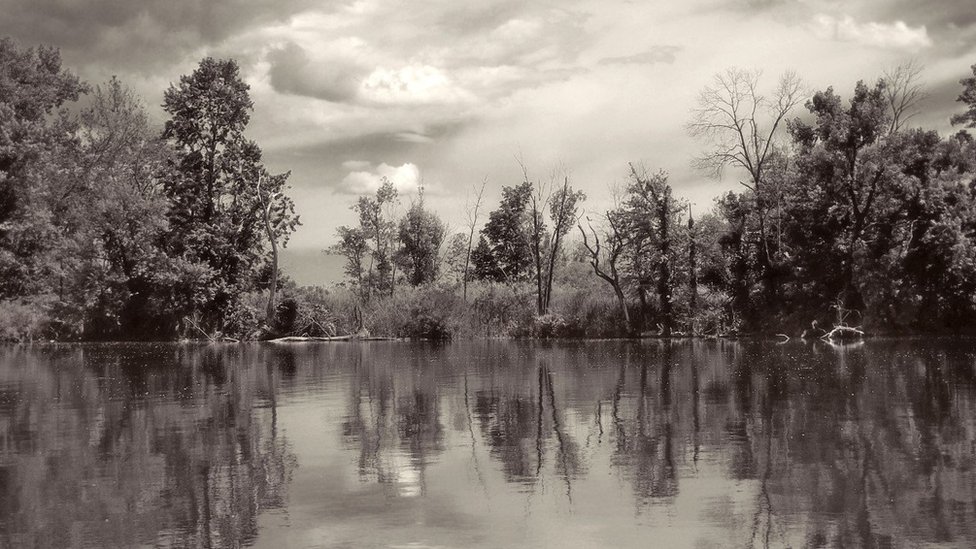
x,y
903,92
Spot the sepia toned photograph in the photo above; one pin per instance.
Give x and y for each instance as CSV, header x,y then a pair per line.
x,y
437,274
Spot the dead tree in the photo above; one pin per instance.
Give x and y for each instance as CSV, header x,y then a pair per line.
x,y
472,225
604,260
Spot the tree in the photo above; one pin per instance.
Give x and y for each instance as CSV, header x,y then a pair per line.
x,y
843,159
37,145
903,92
968,98
354,247
272,203
651,214
421,234
472,225
369,248
605,258
217,214
376,222
504,251
122,265
740,124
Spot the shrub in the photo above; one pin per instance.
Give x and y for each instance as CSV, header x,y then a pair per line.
x,y
23,320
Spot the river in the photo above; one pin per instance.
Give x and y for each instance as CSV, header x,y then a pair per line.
x,y
694,444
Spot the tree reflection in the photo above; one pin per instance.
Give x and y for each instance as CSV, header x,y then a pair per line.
x,y
801,444
114,447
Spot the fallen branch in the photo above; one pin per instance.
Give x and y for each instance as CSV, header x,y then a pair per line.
x,y
843,332
349,337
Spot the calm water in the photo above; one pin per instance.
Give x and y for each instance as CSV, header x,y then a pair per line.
x,y
489,444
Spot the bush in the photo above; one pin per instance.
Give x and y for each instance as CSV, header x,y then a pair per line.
x,y
23,320
427,312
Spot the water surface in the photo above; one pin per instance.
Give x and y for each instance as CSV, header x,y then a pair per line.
x,y
489,444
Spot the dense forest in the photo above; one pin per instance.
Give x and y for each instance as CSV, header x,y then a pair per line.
x,y
113,228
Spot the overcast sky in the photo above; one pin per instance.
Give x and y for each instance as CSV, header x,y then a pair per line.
x,y
451,91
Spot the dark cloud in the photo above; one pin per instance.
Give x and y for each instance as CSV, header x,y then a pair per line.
x,y
335,80
657,54
136,35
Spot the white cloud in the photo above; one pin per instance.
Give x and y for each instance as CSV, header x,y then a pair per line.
x,y
897,35
412,84
405,178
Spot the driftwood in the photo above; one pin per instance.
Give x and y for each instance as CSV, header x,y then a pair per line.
x,y
843,333
349,337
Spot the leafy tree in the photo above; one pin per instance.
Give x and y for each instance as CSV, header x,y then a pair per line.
x,y
369,248
845,167
564,213
652,213
421,234
354,247
968,98
217,215
37,146
504,251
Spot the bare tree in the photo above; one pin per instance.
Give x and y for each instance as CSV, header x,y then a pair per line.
x,y
739,124
605,256
904,92
564,212
472,225
563,205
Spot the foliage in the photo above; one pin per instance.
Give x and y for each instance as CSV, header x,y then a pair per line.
x,y
217,214
504,250
421,234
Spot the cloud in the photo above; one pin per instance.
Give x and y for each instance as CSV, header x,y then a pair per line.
x,y
138,35
411,85
405,178
897,35
335,79
657,54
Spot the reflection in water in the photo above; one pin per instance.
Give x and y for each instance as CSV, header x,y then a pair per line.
x,y
115,446
697,444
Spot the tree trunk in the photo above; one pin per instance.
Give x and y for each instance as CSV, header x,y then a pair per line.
x,y
273,284
622,302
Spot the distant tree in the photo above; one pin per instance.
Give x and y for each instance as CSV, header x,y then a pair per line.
x,y
564,214
472,212
504,251
605,257
370,248
354,247
457,258
421,234
652,213
377,223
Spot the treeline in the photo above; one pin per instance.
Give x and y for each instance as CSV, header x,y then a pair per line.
x,y
111,228
846,215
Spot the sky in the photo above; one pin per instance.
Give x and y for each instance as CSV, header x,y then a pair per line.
x,y
448,94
